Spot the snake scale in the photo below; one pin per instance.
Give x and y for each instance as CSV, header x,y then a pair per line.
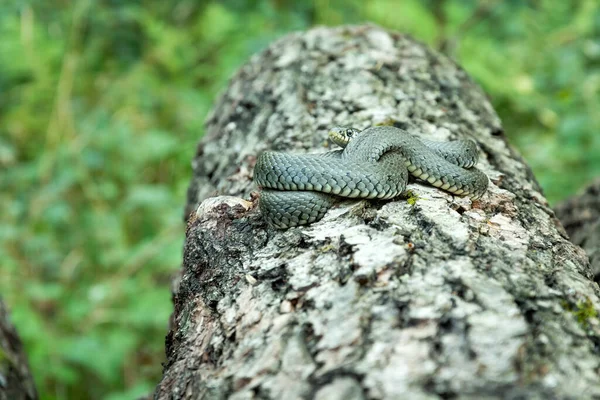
x,y
298,189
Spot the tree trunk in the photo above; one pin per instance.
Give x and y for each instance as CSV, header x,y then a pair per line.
x,y
16,382
581,217
431,297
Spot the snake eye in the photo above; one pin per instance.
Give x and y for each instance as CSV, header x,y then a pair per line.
x,y
349,132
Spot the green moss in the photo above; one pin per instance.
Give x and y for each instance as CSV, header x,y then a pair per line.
x,y
583,311
412,197
326,248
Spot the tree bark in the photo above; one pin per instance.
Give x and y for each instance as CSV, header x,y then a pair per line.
x,y
581,217
430,297
16,382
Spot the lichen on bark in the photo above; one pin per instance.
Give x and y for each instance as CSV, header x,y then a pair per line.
x,y
439,297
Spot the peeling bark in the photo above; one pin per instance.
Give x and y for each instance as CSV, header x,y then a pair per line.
x,y
433,297
16,382
581,217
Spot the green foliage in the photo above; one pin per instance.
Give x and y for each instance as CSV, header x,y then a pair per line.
x,y
102,104
541,67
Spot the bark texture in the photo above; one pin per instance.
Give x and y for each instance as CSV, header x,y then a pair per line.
x,y
581,217
16,382
430,297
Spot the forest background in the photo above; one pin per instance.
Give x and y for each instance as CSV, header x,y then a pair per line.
x,y
102,104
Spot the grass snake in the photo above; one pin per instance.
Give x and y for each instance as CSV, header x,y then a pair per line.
x,y
298,189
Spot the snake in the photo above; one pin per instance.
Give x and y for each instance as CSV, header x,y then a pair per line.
x,y
298,189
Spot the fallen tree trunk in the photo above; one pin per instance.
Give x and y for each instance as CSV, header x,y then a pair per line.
x,y
16,382
431,297
580,216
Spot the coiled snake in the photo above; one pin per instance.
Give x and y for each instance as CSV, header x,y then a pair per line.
x,y
298,189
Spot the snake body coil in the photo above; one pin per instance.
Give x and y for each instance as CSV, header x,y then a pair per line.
x,y
299,188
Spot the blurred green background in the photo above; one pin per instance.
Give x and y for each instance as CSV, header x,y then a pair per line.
x,y
102,104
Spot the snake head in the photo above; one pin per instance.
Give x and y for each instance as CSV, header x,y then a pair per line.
x,y
341,135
